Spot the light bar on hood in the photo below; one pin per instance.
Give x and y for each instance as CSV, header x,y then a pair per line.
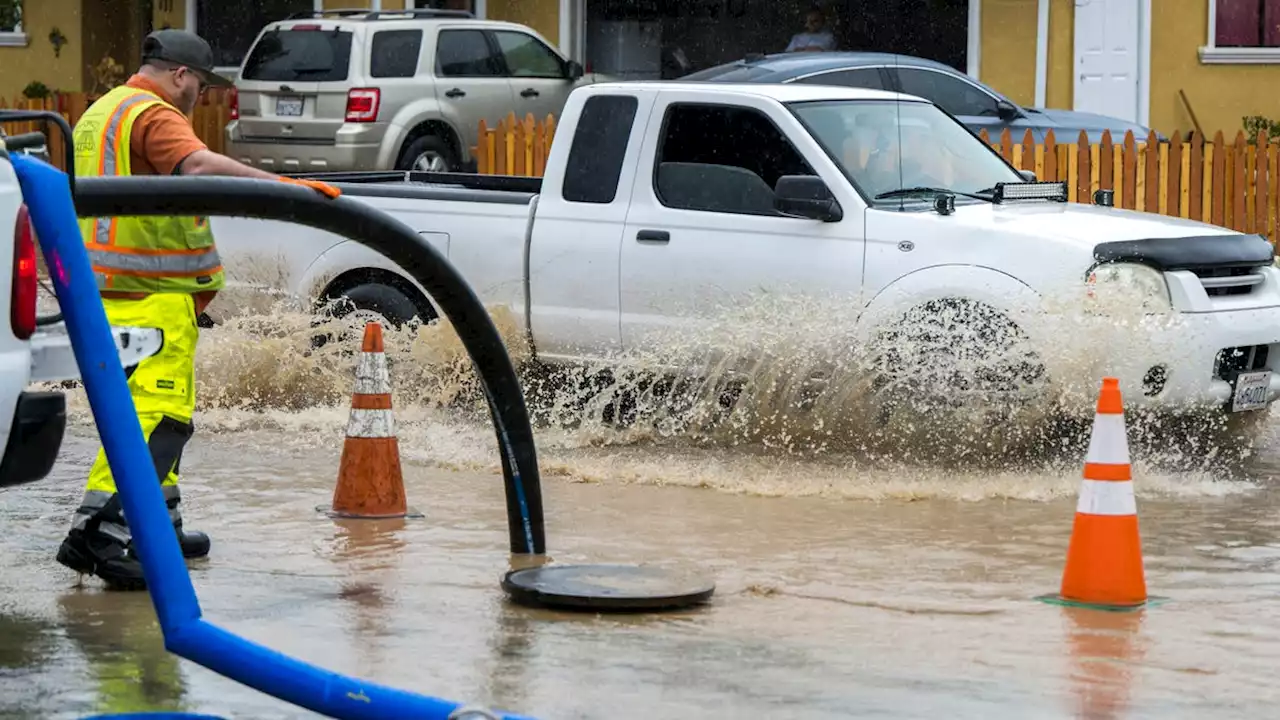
x,y
1056,191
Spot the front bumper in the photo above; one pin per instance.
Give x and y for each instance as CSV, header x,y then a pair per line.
x,y
35,437
1189,362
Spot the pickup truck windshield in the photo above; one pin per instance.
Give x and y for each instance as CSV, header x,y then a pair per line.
x,y
886,145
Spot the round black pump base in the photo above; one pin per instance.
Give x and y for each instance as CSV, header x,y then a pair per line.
x,y
606,588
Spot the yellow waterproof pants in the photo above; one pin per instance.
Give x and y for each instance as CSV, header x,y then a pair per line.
x,y
163,390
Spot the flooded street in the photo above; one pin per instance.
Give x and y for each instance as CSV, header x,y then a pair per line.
x,y
847,585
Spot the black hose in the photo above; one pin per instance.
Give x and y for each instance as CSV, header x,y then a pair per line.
x,y
272,200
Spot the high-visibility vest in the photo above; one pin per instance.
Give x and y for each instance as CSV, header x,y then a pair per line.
x,y
138,254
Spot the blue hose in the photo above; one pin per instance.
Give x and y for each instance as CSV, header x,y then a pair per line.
x,y
47,193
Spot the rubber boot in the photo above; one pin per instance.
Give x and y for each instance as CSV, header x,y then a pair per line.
x,y
91,553
195,544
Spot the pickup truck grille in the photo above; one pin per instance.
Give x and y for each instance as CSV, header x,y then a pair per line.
x,y
1222,281
1234,360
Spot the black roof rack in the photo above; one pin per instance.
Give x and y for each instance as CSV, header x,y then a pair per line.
x,y
425,13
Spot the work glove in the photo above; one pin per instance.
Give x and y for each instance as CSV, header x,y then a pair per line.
x,y
323,188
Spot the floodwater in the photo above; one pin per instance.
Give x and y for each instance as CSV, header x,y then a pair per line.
x,y
850,582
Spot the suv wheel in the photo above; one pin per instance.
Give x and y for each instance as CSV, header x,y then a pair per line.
x,y
429,153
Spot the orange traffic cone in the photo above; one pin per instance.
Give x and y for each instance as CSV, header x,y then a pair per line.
x,y
1104,558
370,483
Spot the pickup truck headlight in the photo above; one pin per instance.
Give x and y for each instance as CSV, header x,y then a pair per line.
x,y
1124,287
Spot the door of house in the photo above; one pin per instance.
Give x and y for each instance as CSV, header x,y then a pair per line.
x,y
1106,50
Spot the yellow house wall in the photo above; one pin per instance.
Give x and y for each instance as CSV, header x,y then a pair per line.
x,y
36,61
1221,95
541,15
1008,39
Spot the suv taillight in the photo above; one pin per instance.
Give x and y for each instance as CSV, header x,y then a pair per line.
x,y
362,104
233,98
22,309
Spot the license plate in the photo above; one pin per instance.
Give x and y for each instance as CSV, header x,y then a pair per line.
x,y
1250,391
289,106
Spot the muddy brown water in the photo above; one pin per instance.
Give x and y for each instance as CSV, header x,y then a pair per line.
x,y
848,584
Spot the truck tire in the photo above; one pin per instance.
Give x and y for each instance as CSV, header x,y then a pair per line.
x,y
429,153
391,306
957,359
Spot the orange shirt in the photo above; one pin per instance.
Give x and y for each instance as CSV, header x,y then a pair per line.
x,y
162,137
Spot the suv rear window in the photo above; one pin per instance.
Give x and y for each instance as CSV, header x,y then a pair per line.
x,y
395,53
310,55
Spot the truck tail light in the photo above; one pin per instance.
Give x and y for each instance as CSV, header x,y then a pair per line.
x,y
233,97
362,104
22,309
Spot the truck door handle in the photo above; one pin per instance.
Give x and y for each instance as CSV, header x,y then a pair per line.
x,y
528,92
653,236
455,92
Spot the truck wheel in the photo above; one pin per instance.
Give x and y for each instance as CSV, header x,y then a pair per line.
x,y
429,153
383,303
959,359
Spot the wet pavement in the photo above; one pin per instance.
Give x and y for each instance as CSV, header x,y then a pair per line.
x,y
826,606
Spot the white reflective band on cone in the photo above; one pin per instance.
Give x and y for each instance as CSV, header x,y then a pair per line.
x,y
371,424
372,377
1100,497
1108,444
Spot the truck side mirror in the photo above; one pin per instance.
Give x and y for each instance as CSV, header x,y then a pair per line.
x,y
806,196
573,70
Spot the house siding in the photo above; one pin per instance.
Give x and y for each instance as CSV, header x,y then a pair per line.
x,y
1008,48
37,61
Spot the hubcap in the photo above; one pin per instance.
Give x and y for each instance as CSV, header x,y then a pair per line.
x,y
430,161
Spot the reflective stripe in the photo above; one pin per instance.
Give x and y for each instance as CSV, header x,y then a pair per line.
x,y
1108,444
117,262
1106,498
372,377
371,424
110,162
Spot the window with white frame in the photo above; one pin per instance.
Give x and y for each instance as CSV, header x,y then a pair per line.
x,y
11,23
1243,31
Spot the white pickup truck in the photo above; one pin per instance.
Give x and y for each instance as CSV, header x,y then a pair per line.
x,y
668,210
36,349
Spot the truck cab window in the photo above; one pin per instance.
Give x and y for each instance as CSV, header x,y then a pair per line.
x,y
526,57
722,158
599,146
466,53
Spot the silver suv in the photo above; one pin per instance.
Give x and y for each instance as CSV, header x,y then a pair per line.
x,y
344,90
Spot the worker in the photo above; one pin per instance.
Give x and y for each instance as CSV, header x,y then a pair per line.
x,y
158,272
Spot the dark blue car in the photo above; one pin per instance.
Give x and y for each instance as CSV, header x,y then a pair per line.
x,y
974,104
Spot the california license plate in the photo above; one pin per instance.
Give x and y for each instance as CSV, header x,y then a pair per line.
x,y
289,106
1250,391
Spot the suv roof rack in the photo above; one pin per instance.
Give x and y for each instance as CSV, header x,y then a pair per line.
x,y
424,13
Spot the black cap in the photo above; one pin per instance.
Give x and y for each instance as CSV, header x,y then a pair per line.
x,y
183,48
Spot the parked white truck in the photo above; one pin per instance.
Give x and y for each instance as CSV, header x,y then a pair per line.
x,y
665,205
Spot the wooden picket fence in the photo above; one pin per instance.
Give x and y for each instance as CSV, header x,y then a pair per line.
x,y
1235,185
209,119
515,147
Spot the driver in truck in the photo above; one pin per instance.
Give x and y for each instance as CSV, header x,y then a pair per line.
x,y
157,272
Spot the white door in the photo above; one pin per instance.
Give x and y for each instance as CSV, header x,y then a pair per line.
x,y
1107,40
706,261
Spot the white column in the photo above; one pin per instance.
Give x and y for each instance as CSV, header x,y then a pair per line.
x,y
974,50
189,18
1042,52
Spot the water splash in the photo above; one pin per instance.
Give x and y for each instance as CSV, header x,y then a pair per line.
x,y
776,394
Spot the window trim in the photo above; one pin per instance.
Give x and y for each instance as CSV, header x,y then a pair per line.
x,y
958,77
1211,54
493,40
15,37
491,43
662,135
